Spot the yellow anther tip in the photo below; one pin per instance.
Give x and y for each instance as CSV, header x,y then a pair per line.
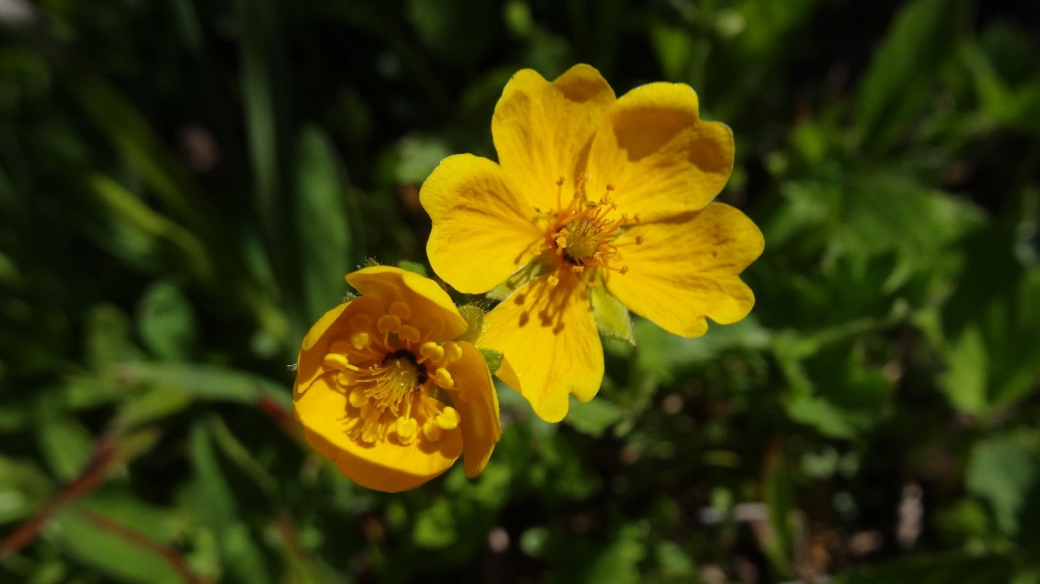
x,y
452,351
389,323
432,431
346,378
431,351
409,333
357,397
406,429
449,419
400,309
442,378
336,360
360,340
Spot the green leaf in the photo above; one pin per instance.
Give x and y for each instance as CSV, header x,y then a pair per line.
x,y
24,489
166,322
612,318
66,445
474,316
205,381
1005,472
101,546
152,405
895,87
594,417
934,569
322,216
414,267
492,357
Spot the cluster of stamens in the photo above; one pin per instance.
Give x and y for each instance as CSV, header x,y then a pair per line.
x,y
392,375
583,234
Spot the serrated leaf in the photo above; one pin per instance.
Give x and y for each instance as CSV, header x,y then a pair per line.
x,y
612,317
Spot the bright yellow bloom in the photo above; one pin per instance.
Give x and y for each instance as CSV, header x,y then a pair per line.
x,y
590,191
384,391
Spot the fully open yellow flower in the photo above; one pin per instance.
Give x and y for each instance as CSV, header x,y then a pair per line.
x,y
590,191
384,391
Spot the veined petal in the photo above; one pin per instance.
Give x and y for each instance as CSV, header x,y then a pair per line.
x,y
687,269
542,130
476,400
549,336
384,465
657,154
431,306
482,229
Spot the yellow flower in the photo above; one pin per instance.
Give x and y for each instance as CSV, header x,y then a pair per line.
x,y
590,191
384,391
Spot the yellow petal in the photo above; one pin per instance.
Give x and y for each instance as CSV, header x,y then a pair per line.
x,y
476,400
542,130
482,230
660,158
549,336
432,308
385,465
333,325
687,269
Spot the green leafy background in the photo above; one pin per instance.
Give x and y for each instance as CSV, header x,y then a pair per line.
x,y
184,183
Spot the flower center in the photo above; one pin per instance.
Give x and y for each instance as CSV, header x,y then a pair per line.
x,y
393,378
583,234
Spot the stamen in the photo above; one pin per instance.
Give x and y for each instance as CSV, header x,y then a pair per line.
x,y
400,310
442,378
449,419
360,339
432,431
406,430
431,351
409,333
389,323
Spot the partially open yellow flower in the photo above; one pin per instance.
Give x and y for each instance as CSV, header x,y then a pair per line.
x,y
590,191
384,391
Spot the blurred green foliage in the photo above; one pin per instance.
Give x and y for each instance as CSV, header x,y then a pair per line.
x,y
183,185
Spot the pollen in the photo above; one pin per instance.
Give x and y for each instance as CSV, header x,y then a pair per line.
x,y
582,234
392,377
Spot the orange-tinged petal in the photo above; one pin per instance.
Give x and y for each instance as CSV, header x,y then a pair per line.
x,y
482,230
542,130
687,269
385,465
658,156
431,307
474,396
550,338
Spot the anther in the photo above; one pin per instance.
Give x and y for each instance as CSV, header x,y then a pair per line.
x,y
431,351
360,339
389,323
360,320
623,270
406,429
639,240
449,419
432,431
409,333
553,280
357,397
442,378
346,378
338,361
452,352
400,310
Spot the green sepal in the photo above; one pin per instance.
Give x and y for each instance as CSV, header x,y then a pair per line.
x,y
414,267
612,318
493,359
518,279
475,318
